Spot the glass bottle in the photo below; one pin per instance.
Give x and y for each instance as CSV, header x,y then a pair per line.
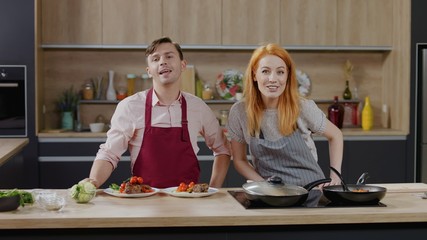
x,y
385,117
336,113
367,115
347,93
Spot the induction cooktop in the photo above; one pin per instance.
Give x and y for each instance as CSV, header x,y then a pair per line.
x,y
315,199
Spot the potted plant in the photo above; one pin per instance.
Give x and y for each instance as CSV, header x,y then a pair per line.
x,y
67,105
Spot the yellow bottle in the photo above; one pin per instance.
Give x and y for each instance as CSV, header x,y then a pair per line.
x,y
367,116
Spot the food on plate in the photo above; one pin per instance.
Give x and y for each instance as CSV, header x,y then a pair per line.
x,y
132,185
192,187
83,191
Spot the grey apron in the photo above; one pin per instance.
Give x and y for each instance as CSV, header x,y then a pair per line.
x,y
289,158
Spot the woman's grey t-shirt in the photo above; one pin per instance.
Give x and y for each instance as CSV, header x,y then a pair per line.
x,y
310,121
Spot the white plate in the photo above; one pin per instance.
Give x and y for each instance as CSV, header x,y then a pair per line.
x,y
172,191
133,195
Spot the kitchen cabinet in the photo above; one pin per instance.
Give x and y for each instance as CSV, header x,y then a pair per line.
x,y
384,160
337,22
131,21
308,22
364,22
250,22
71,21
217,22
63,162
193,21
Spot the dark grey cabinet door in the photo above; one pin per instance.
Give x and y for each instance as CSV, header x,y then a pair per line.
x,y
384,160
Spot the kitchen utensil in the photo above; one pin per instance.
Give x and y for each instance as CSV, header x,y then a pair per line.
x,y
344,185
276,193
355,194
362,178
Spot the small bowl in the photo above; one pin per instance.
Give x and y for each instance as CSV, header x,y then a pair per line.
x,y
51,202
9,203
97,127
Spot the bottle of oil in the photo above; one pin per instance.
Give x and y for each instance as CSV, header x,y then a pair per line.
x,y
347,93
367,115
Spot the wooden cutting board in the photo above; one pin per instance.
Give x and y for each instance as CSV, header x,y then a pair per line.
x,y
188,82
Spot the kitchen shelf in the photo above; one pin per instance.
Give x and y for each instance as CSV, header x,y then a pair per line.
x,y
222,47
99,101
330,101
220,101
216,101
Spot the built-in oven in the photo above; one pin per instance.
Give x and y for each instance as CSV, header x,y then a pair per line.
x,y
13,101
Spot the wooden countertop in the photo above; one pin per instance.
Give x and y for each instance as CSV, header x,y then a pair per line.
x,y
347,132
10,147
403,201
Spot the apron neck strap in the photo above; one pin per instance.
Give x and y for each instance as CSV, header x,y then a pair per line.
x,y
184,121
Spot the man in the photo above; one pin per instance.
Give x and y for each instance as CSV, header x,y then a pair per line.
x,y
160,127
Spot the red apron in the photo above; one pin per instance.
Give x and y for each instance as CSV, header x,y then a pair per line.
x,y
166,157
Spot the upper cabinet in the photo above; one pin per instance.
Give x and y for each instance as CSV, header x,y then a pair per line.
x,y
71,22
131,21
250,22
193,21
308,22
337,22
364,22
304,23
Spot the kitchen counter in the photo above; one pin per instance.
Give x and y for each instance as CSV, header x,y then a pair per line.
x,y
349,134
11,146
404,205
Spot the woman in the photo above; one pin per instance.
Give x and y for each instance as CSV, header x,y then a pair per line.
x,y
276,123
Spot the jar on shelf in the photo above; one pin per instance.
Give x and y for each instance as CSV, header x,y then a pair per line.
x,y
121,93
131,83
88,91
223,117
207,93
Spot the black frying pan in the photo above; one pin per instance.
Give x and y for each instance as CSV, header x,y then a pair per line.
x,y
355,194
276,193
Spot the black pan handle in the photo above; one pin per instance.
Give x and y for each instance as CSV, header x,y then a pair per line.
x,y
315,183
344,186
362,178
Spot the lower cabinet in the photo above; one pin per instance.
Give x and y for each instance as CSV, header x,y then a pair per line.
x,y
63,164
384,160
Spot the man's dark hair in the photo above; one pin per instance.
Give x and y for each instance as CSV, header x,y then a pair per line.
x,y
152,47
